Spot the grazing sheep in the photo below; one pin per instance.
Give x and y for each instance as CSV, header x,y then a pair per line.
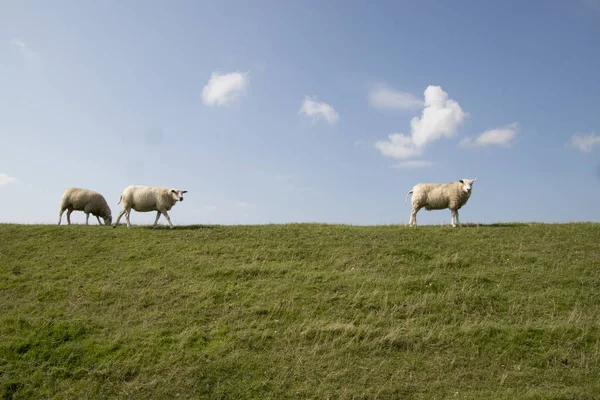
x,y
88,201
147,198
438,196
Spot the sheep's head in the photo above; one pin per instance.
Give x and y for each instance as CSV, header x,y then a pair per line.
x,y
177,194
467,185
107,220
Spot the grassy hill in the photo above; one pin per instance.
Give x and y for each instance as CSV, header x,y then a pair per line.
x,y
300,311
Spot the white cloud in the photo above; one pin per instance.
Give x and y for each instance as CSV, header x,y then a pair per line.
x,y
399,146
223,89
493,137
243,207
441,117
317,109
414,164
360,144
585,143
5,179
284,177
25,51
291,182
242,204
383,98
300,189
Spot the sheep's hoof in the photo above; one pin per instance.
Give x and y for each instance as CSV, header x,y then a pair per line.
x,y
114,226
454,225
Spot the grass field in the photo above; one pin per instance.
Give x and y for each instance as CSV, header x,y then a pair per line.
x,y
300,311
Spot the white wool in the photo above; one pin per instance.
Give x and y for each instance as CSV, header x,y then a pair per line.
x,y
149,198
88,201
439,196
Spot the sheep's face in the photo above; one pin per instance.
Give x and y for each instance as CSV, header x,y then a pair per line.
x,y
177,194
107,220
467,185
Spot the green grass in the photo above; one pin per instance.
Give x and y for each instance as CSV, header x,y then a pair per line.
x,y
300,311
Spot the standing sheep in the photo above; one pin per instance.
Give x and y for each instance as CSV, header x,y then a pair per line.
x,y
438,196
88,201
147,198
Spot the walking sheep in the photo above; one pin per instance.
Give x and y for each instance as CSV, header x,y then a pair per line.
x,y
147,198
438,196
88,201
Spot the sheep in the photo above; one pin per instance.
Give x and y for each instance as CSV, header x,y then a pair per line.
x,y
438,196
88,201
148,198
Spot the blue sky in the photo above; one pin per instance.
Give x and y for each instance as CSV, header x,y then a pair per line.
x,y
311,111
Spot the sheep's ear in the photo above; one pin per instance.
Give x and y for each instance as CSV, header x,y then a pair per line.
x,y
461,181
183,191
173,191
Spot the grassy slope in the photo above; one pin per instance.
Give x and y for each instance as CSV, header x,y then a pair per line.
x,y
300,311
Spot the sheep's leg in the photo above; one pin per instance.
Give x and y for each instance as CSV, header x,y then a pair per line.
x,y
454,216
119,218
127,213
457,221
157,217
413,216
60,214
98,218
69,216
87,217
168,218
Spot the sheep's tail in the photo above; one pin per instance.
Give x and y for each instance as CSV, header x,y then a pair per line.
x,y
408,194
120,198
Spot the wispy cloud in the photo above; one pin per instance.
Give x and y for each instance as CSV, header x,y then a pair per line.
x,y
440,118
288,182
398,146
23,48
414,164
360,144
223,89
299,189
243,207
5,179
493,137
585,143
242,204
383,98
316,110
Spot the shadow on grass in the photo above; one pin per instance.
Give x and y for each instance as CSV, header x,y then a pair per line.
x,y
496,225
180,227
199,227
505,225
471,225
